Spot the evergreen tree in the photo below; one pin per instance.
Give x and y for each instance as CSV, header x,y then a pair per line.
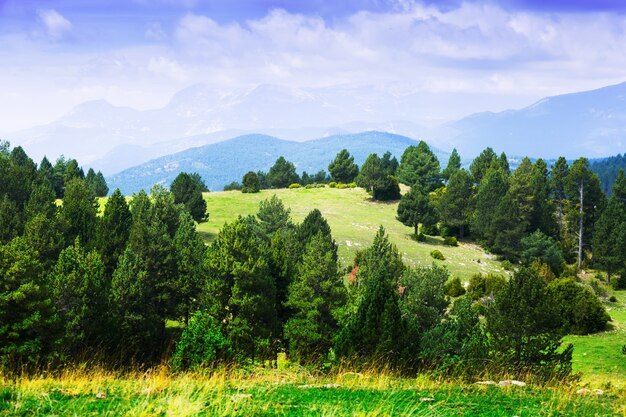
x,y
80,291
58,182
26,312
45,171
282,174
41,201
79,212
415,208
542,247
11,223
72,171
609,238
376,331
313,224
558,185
250,183
480,166
113,230
45,235
371,172
454,164
272,216
503,163
342,168
190,254
526,328
188,192
389,164
386,189
315,297
542,217
456,203
491,190
420,166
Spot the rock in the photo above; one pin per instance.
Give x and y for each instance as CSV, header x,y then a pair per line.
x,y
427,399
509,382
583,391
101,395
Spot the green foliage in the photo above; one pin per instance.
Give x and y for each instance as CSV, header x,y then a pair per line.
x,y
436,254
491,190
272,216
282,173
455,205
525,328
609,238
332,184
485,285
419,166
233,186
580,309
44,234
539,246
450,241
11,222
187,190
376,330
481,165
201,344
454,288
415,208
80,292
375,170
113,230
342,168
294,185
250,183
96,183
386,189
79,212
26,312
454,164
315,296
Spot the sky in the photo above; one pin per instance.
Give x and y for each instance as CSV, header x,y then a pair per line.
x,y
479,55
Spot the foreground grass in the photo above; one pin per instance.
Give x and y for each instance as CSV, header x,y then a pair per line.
x,y
288,393
354,219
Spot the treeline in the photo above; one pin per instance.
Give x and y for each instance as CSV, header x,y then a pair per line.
x,y
608,169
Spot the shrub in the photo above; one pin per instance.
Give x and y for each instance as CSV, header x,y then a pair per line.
x,y
485,285
202,344
341,186
580,309
421,237
598,288
613,299
250,183
295,185
314,185
436,254
232,186
332,184
619,282
351,185
451,241
507,265
454,288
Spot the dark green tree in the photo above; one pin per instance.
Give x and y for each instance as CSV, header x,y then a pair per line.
x,y
455,206
420,166
371,171
558,189
415,208
580,309
113,230
525,328
315,297
27,332
342,168
386,189
41,201
609,237
454,164
389,164
11,222
45,235
79,212
250,183
282,174
272,216
188,192
544,248
481,164
490,192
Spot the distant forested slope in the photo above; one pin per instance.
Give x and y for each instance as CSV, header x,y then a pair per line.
x,y
607,170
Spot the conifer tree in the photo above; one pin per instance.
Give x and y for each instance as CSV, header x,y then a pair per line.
x,y
79,212
282,174
420,166
315,297
113,230
250,183
342,168
456,203
415,208
491,190
454,164
558,186
272,216
481,164
188,191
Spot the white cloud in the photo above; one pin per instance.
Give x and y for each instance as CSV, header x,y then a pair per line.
x,y
154,31
56,25
168,68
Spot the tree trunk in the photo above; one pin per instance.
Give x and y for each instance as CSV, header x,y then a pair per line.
x,y
415,228
580,226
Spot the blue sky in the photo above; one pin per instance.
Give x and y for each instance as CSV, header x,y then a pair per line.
x,y
476,55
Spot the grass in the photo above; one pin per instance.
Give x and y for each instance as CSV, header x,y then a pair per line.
x,y
354,219
287,393
599,356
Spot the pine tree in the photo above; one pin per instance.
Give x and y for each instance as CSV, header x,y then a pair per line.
x,y
342,168
79,212
250,183
313,224
11,222
113,230
415,208
609,238
282,174
558,185
272,216
420,166
45,235
481,165
456,203
491,190
188,192
376,331
315,297
454,164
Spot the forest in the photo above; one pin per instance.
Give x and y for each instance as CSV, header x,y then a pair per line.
x,y
132,284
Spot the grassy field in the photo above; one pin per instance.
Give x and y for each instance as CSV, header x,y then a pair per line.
x,y
354,219
288,393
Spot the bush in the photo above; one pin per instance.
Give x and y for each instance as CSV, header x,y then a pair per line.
x,y
314,185
454,288
421,237
250,183
485,285
619,282
507,265
612,299
580,309
295,185
436,254
351,185
598,288
332,184
232,186
202,344
450,241
341,186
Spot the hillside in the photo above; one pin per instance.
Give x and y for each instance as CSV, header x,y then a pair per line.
x,y
224,162
590,124
354,220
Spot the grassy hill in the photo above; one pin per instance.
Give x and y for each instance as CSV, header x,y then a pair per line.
x,y
354,219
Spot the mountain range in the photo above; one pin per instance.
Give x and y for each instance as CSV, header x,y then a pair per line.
x,y
113,139
221,163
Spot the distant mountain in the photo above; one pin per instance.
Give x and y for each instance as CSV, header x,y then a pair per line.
x,y
224,162
590,124
111,138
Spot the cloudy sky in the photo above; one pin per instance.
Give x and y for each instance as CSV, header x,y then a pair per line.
x,y
479,55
